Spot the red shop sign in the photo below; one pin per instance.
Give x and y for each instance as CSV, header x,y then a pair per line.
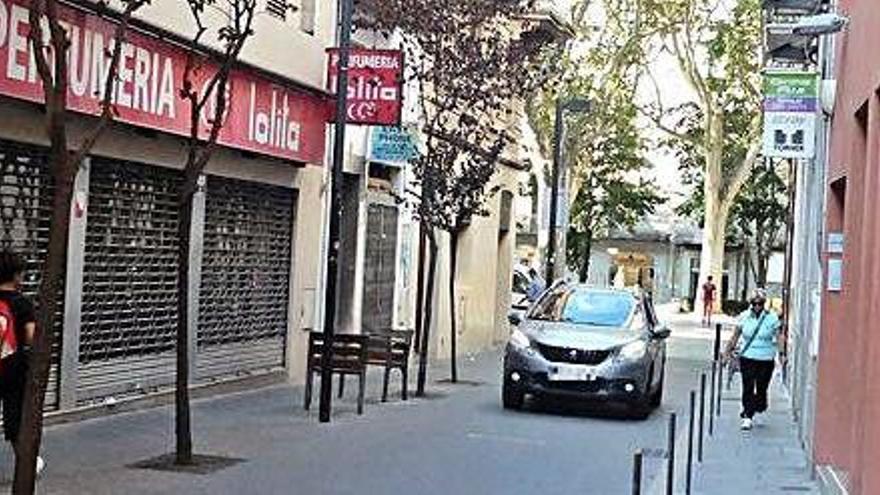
x,y
375,79
263,117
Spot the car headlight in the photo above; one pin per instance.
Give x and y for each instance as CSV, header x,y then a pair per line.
x,y
519,340
633,350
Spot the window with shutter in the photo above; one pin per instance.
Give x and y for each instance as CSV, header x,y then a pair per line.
x,y
308,16
277,8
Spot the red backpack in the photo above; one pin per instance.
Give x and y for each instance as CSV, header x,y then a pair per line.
x,y
8,341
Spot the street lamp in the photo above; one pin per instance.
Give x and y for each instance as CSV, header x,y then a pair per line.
x,y
577,105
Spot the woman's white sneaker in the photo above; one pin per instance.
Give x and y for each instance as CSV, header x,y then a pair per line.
x,y
746,424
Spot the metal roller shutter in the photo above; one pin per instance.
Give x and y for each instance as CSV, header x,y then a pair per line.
x,y
379,273
25,208
129,309
245,289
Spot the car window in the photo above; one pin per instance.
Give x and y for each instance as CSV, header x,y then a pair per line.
x,y
585,307
520,283
638,320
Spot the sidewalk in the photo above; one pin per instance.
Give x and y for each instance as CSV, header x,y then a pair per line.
x,y
766,460
263,432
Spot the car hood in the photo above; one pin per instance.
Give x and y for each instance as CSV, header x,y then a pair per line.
x,y
591,338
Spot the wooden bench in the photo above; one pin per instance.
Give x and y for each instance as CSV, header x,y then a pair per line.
x,y
349,357
390,350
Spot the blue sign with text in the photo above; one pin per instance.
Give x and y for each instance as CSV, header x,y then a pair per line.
x,y
392,145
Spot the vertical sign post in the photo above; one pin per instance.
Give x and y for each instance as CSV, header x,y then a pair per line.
x,y
335,213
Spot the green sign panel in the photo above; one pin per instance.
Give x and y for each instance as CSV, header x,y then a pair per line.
x,y
791,85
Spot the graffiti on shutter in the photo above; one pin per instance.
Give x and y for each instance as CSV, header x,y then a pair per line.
x,y
245,290
25,209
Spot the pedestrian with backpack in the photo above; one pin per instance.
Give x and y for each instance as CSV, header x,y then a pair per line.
x,y
753,351
17,327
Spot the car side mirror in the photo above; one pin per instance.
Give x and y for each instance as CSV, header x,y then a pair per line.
x,y
515,318
661,333
522,302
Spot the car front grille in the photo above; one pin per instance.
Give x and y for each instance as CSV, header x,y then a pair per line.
x,y
572,355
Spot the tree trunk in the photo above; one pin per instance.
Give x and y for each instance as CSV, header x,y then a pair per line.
x,y
763,262
747,252
584,273
420,288
428,316
53,274
715,215
453,324
182,414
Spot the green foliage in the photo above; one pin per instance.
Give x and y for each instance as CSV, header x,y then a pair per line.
x,y
473,61
604,148
758,212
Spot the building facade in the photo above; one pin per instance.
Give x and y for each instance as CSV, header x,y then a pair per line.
x,y
256,244
662,254
847,437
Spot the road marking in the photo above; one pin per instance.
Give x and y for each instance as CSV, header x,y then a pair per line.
x,y
505,439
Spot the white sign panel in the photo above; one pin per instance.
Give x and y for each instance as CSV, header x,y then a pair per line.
x,y
790,135
835,275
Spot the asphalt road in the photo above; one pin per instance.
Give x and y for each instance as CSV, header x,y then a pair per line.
x,y
457,441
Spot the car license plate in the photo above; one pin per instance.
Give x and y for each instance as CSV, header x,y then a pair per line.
x,y
571,373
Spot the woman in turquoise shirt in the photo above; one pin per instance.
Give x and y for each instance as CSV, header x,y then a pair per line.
x,y
757,340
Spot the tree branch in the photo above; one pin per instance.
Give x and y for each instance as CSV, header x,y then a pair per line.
x,y
108,108
38,40
741,174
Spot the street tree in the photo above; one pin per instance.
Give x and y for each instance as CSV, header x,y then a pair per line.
x,y
473,61
605,148
757,217
716,47
206,89
759,211
49,41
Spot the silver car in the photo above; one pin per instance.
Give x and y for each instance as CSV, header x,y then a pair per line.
x,y
586,343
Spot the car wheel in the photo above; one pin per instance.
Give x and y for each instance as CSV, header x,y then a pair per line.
x,y
657,396
511,398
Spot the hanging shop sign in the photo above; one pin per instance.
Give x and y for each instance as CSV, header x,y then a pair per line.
x,y
375,85
262,116
392,145
791,106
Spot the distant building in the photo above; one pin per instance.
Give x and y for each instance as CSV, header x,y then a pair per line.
x,y
662,254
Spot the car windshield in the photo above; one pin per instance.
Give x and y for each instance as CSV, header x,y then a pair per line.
x,y
585,307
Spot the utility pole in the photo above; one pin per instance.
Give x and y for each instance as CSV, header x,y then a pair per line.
x,y
580,105
344,37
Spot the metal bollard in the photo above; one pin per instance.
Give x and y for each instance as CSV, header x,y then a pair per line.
x,y
720,390
637,473
702,416
717,353
670,456
712,401
690,452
